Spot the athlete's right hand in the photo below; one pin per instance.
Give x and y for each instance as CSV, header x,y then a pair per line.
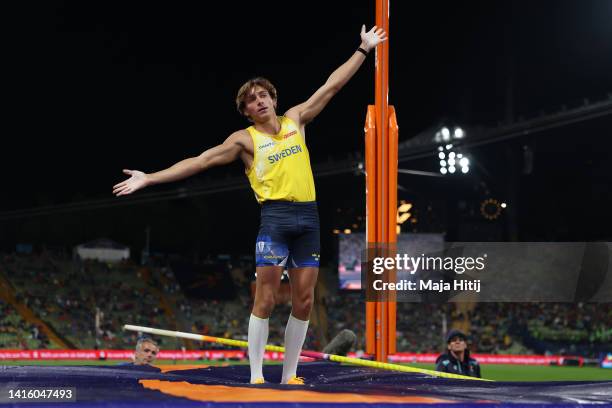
x,y
370,39
137,181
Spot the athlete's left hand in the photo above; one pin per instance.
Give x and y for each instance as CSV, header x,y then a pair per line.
x,y
370,39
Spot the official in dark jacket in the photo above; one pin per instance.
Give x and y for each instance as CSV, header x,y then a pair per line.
x,y
457,359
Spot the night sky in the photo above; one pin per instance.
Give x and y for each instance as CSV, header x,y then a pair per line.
x,y
94,87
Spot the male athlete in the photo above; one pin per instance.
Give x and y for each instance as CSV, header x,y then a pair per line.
x,y
277,165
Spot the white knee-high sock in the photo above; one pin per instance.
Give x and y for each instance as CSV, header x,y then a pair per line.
x,y
295,334
258,337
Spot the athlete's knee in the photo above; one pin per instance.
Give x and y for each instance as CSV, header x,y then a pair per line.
x,y
302,306
264,305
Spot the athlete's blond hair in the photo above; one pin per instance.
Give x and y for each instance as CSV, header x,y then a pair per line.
x,y
248,86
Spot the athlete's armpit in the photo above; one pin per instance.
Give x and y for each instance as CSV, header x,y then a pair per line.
x,y
224,153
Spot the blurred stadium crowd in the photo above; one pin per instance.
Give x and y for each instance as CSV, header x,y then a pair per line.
x,y
52,301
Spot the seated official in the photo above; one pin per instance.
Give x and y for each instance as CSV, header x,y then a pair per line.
x,y
145,353
457,359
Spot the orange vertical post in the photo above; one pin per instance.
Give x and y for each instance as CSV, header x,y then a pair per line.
x,y
381,102
392,226
370,168
381,184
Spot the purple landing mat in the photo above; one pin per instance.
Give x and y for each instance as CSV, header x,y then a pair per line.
x,y
118,386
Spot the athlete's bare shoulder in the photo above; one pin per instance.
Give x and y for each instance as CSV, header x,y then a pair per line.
x,y
243,138
294,115
239,135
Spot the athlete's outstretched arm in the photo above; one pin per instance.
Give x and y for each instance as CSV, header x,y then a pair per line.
x,y
224,153
307,111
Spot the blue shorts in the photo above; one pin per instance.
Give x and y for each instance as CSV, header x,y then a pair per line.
x,y
289,235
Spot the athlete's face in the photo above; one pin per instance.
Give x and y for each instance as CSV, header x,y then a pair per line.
x,y
259,105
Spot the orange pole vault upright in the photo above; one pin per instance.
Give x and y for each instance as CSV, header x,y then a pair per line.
x,y
381,136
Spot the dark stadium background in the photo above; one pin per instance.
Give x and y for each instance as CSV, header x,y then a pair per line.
x,y
95,87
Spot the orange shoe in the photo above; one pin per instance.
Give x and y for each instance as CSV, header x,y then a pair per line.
x,y
295,381
259,381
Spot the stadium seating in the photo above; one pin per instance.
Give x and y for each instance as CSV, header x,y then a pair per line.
x,y
88,302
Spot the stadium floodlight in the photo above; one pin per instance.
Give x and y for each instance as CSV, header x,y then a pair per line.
x,y
445,133
405,207
451,161
403,217
359,170
402,214
458,133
